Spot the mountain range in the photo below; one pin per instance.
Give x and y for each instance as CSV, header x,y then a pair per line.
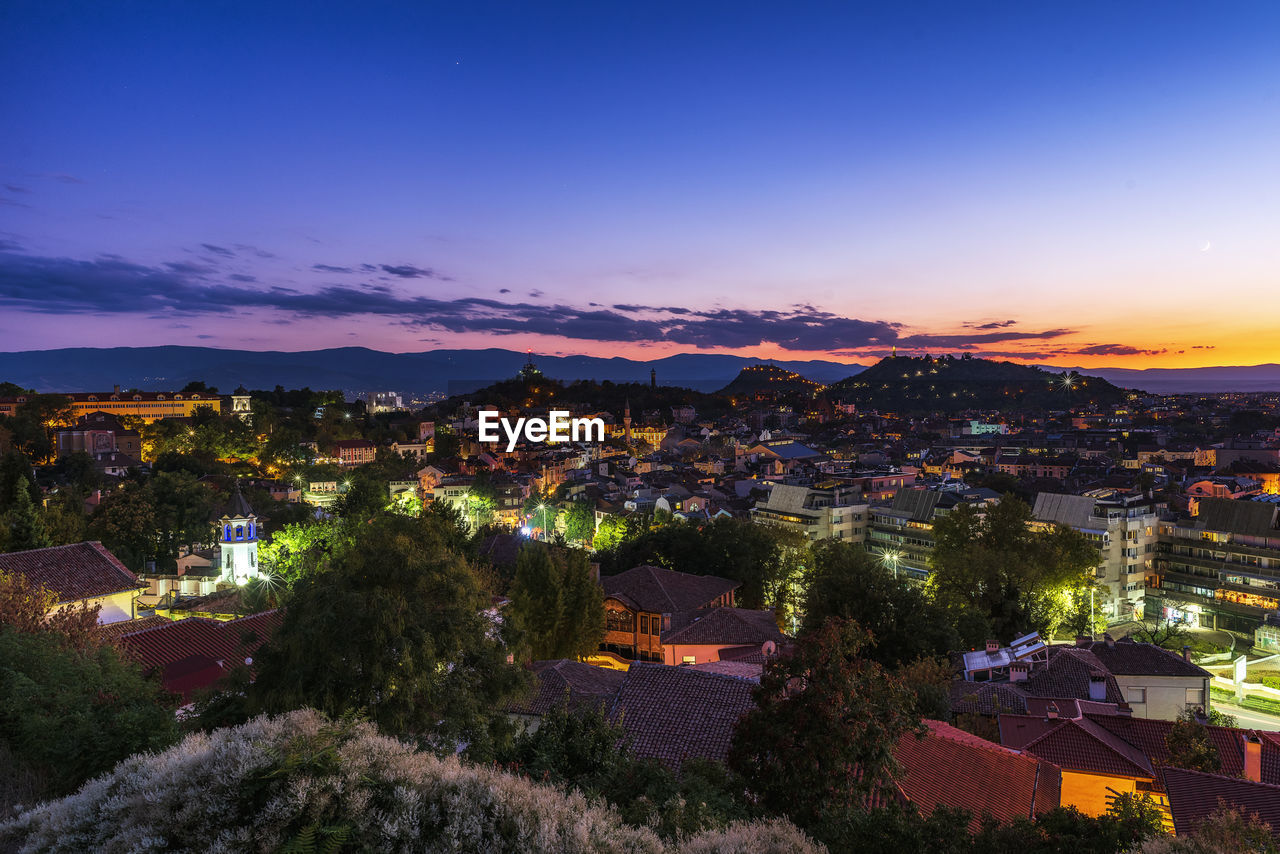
x,y
358,369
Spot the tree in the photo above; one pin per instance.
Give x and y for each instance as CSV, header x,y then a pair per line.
x,y
847,582
993,563
184,509
1189,745
305,547
613,531
821,737
579,522
25,607
125,522
397,630
1159,629
23,526
557,607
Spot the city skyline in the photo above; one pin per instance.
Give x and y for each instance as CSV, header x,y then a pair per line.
x,y
1084,187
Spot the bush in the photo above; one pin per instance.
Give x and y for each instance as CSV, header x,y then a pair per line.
x,y
300,781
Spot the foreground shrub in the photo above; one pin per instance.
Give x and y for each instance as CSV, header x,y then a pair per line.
x,y
301,781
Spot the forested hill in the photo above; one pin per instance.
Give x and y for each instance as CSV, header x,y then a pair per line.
x,y
948,384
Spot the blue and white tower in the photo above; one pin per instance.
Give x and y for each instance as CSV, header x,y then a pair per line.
x,y
238,541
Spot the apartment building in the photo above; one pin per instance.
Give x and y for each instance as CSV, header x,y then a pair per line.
x,y
818,512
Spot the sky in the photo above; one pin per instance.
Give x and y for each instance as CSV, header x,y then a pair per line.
x,y
1065,183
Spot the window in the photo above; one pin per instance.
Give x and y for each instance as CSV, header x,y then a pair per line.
x,y
1195,696
1135,695
644,624
239,532
688,659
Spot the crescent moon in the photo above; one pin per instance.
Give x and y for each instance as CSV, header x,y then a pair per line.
x,y
1207,246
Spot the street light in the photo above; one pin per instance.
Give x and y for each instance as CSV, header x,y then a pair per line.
x,y
890,559
543,508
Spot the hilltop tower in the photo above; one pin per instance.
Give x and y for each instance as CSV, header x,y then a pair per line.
x,y
626,420
653,378
238,541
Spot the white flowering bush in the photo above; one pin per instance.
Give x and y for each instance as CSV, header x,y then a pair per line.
x,y
301,782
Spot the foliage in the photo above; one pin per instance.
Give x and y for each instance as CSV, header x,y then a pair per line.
x,y
31,424
613,531
768,561
272,783
826,722
72,712
22,525
300,549
1226,831
579,522
1189,745
1015,577
847,582
396,629
557,608
25,607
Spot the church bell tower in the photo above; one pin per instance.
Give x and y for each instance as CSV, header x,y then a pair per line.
x,y
238,541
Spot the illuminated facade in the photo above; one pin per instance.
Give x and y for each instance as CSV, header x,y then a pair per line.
x,y
147,405
1219,569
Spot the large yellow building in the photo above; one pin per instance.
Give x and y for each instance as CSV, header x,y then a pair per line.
x,y
147,405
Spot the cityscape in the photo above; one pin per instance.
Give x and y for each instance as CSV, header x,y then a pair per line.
x,y
609,428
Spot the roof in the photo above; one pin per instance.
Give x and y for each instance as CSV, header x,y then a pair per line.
x,y
1070,510
236,507
677,713
950,767
1082,745
221,602
665,591
110,632
1127,658
1250,518
719,626
1195,795
229,642
986,698
1067,674
569,682
75,572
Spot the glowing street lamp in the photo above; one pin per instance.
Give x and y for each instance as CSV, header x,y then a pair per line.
x,y
891,559
543,508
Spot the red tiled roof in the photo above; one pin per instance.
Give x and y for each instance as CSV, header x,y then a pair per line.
x,y
1148,736
1195,795
676,713
1082,745
737,626
74,572
181,647
111,632
665,591
950,767
1126,657
572,682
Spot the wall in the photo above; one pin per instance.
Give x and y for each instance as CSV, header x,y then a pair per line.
x,y
1166,695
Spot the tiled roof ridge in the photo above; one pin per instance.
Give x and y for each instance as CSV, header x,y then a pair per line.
x,y
942,729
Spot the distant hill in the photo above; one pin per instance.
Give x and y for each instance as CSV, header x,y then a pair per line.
x,y
769,380
1246,378
357,369
910,383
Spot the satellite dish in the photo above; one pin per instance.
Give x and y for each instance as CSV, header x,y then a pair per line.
x,y
768,648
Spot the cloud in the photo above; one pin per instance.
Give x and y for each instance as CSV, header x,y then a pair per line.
x,y
995,324
218,250
9,245
508,290
242,277
329,268
408,271
115,285
14,188
1115,350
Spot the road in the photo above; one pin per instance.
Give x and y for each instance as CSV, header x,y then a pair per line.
x,y
1249,718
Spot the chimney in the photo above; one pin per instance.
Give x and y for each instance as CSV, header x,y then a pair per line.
x,y
117,391
1018,671
1252,757
1084,640
1051,712
1109,639
993,646
1097,686
1186,653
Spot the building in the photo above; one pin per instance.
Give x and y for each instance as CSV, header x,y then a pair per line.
x,y
98,433
79,575
819,513
641,602
901,532
384,401
354,452
147,405
707,635
1156,682
1125,528
1219,569
238,541
242,405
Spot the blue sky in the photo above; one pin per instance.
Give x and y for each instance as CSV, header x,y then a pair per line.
x,y
1097,179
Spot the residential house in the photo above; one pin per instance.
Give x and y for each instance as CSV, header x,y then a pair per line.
x,y
640,602
81,574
